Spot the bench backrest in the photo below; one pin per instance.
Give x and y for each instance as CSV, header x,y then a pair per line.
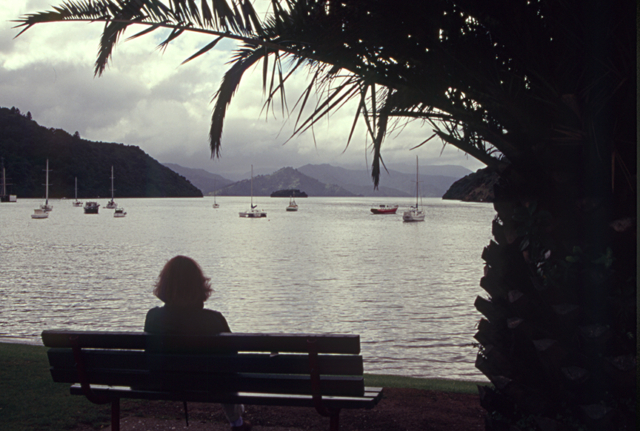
x,y
228,362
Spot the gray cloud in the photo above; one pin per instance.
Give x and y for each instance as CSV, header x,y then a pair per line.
x,y
146,98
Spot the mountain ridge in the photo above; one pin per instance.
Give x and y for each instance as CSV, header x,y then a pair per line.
x,y
337,181
25,147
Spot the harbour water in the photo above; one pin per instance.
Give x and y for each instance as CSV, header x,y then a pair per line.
x,y
331,267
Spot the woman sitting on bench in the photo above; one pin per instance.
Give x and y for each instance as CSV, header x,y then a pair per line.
x,y
183,288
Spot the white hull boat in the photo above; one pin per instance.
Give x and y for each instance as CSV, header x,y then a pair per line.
x,y
293,206
111,204
119,212
39,213
46,207
414,213
253,212
77,203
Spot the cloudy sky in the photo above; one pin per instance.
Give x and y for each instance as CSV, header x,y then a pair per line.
x,y
148,99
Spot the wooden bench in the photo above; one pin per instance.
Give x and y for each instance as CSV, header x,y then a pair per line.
x,y
306,370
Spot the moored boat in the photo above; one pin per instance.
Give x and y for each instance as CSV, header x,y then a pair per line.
x,y
215,204
119,212
111,204
91,207
253,212
39,213
293,206
46,207
77,203
4,197
384,209
414,213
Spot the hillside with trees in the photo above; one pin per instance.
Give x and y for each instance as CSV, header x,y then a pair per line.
x,y
25,147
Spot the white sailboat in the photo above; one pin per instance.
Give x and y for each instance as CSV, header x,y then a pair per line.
x,y
253,212
293,206
39,213
77,203
111,204
415,213
46,207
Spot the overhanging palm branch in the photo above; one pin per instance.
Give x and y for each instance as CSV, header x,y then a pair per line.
x,y
469,71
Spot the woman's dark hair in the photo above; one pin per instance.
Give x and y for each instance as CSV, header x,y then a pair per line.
x,y
181,282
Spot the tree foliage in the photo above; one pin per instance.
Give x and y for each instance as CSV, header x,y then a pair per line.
x,y
25,147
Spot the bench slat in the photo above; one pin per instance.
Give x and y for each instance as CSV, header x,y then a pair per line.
x,y
243,362
261,383
272,342
370,398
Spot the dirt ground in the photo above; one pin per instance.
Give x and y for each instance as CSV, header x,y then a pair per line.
x,y
400,409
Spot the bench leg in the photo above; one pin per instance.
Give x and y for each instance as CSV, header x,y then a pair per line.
x,y
334,421
115,414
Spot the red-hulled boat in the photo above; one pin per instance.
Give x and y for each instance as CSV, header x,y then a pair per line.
x,y
385,209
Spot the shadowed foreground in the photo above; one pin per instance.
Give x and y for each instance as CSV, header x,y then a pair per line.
x,y
401,409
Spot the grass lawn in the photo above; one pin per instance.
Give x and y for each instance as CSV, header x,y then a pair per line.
x,y
30,400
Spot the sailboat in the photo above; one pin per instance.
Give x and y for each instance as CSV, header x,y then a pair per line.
x,y
215,205
111,204
5,197
77,203
415,213
253,212
46,207
293,206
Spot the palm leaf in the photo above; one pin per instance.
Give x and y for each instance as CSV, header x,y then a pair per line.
x,y
245,59
206,48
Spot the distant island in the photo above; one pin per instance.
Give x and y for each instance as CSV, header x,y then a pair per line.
x,y
283,179
25,147
288,193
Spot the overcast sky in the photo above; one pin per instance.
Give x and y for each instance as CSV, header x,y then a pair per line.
x,y
148,99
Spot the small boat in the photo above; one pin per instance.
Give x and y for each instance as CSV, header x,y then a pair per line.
x,y
5,197
91,207
77,203
111,204
293,206
414,213
39,213
215,204
119,212
253,212
385,209
46,207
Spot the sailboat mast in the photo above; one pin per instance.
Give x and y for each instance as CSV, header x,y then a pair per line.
x,y
47,184
111,182
251,186
4,181
417,182
76,188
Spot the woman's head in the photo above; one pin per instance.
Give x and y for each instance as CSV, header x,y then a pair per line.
x,y
181,282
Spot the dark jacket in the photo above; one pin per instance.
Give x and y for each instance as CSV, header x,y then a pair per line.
x,y
185,321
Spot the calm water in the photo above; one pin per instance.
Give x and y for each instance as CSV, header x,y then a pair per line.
x,y
407,289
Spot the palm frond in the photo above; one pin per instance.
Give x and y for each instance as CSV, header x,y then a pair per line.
x,y
245,59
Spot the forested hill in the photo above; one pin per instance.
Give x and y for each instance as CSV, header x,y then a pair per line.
x,y
25,147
